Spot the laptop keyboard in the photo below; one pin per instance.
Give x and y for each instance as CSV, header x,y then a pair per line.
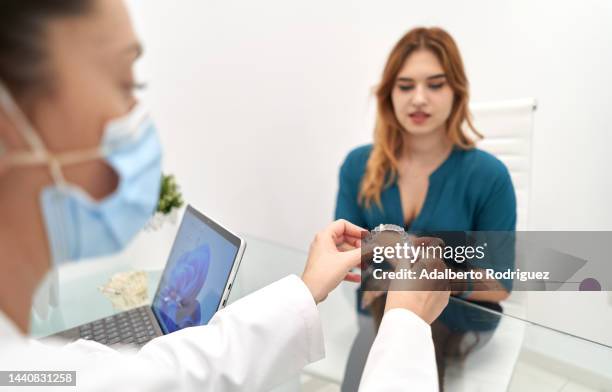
x,y
131,327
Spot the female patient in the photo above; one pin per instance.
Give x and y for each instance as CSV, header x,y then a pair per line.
x,y
424,173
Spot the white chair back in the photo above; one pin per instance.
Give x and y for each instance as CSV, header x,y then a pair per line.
x,y
508,128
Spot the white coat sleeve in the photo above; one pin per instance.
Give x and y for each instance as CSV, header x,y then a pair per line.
x,y
252,345
402,357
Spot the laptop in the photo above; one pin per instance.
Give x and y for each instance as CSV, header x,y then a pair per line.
x,y
196,282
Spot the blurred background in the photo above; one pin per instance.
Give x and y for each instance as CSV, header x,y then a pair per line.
x,y
258,103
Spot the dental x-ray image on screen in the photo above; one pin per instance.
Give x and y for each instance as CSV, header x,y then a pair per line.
x,y
198,268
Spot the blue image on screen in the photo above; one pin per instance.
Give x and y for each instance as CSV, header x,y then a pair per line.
x,y
195,276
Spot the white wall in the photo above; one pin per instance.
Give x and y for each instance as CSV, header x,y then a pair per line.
x,y
258,102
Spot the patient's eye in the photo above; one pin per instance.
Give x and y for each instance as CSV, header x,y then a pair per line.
x,y
436,86
405,87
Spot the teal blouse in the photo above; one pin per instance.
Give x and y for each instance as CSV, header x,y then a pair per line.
x,y
470,191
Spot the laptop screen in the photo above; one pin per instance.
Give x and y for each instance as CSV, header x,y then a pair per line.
x,y
196,273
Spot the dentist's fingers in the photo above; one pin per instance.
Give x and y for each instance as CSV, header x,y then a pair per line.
x,y
345,239
343,247
327,266
344,228
352,258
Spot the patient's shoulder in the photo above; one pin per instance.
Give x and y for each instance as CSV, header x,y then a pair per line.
x,y
356,160
359,154
483,163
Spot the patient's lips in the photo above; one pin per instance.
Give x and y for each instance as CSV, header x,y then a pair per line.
x,y
419,117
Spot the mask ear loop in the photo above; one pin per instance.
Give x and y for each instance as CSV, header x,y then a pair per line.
x,y
55,162
22,123
39,153
55,167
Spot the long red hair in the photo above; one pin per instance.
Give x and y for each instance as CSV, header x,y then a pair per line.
x,y
381,169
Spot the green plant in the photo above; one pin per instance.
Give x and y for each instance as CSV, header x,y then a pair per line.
x,y
169,195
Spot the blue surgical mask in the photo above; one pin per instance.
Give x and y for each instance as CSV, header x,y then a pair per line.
x,y
78,226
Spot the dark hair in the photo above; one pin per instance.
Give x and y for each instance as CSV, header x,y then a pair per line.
x,y
23,25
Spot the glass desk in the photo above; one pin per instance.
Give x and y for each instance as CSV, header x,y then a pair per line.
x,y
513,355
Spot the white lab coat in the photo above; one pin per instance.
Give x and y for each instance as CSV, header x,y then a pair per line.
x,y
252,345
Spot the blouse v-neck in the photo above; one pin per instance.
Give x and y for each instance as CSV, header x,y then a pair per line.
x,y
436,179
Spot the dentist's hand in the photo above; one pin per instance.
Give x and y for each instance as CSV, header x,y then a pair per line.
x,y
327,264
426,304
426,298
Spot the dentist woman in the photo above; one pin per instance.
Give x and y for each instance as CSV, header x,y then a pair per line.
x,y
80,166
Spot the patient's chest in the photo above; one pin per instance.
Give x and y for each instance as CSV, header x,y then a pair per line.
x,y
413,191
